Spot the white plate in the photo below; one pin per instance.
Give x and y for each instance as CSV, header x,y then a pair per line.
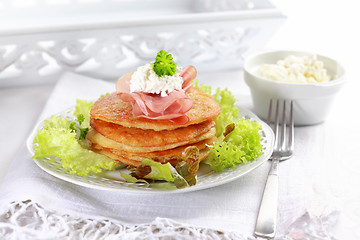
x,y
111,180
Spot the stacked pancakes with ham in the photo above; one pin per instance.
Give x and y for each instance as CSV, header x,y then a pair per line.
x,y
129,127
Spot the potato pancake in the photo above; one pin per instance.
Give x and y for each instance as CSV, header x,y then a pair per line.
x,y
137,137
203,154
96,138
112,109
166,154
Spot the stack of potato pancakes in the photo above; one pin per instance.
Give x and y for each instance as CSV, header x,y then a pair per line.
x,y
118,134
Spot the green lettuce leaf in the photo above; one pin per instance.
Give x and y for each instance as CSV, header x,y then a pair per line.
x,y
131,179
152,170
229,112
82,109
158,171
241,145
179,181
58,139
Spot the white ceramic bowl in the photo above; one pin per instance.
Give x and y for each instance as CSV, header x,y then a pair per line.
x,y
312,101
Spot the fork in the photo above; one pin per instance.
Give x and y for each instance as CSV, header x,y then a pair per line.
x,y
283,149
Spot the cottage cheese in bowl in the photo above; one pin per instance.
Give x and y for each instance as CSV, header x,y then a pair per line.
x,y
310,81
296,69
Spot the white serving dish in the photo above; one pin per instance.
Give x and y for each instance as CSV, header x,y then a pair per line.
x,y
312,101
41,39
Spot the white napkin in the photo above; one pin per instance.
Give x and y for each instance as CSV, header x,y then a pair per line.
x,y
231,207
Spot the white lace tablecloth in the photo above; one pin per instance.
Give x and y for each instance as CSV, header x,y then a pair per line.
x,y
36,205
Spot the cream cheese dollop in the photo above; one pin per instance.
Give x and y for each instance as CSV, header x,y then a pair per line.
x,y
294,69
144,79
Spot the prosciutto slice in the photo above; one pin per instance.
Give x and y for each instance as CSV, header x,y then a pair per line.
x,y
172,107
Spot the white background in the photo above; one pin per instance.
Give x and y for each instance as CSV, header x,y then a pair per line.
x,y
327,27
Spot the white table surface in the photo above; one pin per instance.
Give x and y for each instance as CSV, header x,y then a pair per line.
x,y
326,27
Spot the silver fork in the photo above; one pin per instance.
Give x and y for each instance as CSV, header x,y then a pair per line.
x,y
283,149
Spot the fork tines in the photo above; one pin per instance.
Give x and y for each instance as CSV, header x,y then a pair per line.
x,y
279,125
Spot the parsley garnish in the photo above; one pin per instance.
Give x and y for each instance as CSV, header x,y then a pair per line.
x,y
164,64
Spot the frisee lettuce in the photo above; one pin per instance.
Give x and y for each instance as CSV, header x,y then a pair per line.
x,y
229,112
58,139
239,146
83,108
